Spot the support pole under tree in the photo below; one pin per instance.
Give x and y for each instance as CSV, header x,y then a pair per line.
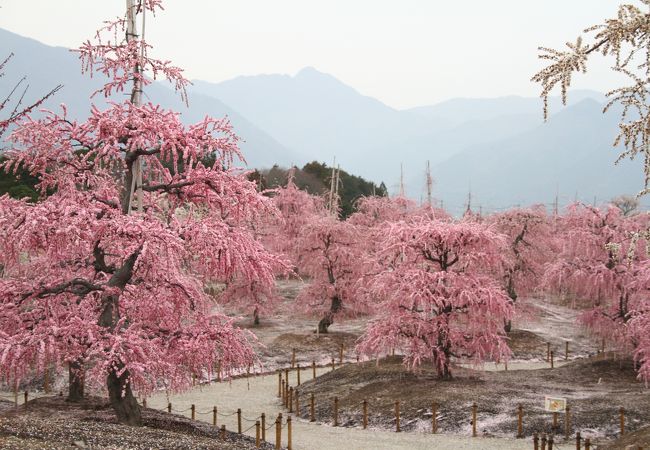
x,y
312,409
280,383
298,374
313,369
535,442
566,350
548,352
263,418
214,416
239,421
257,434
555,414
293,358
223,432
520,421
587,444
578,441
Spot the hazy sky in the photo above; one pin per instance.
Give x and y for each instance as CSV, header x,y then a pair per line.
x,y
403,52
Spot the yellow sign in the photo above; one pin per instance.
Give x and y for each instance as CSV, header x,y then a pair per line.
x,y
554,404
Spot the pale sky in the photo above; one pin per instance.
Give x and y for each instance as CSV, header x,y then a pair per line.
x,y
403,52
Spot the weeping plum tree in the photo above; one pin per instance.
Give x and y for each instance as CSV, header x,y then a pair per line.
x,y
107,272
438,298
527,234
330,255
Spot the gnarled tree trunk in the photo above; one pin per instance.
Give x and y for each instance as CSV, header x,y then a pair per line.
x,y
328,320
122,399
75,381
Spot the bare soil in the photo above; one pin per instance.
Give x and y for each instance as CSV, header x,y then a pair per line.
x,y
53,423
594,389
631,441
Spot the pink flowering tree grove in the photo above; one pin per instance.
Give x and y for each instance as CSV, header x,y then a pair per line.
x,y
112,284
438,298
601,262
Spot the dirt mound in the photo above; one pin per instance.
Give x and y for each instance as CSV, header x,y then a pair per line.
x,y
526,344
595,389
53,423
631,441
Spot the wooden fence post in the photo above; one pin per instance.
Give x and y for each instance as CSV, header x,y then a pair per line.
x,y
552,359
293,358
263,424
313,369
169,407
550,442
397,424
286,376
555,415
365,414
257,434
298,373
214,416
280,383
193,412
520,421
587,444
26,397
290,399
223,432
434,418
535,442
543,442
622,417
336,411
278,432
333,363
548,357
239,420
474,407
578,441
312,412
567,422
289,445
566,350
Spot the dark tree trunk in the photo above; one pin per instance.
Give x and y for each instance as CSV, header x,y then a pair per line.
x,y
123,402
256,317
325,323
328,320
75,382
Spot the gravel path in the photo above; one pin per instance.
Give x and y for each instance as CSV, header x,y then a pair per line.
x,y
259,394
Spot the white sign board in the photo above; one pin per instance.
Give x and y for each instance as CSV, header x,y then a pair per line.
x,y
555,404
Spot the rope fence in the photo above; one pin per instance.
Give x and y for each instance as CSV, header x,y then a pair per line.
x,y
290,398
